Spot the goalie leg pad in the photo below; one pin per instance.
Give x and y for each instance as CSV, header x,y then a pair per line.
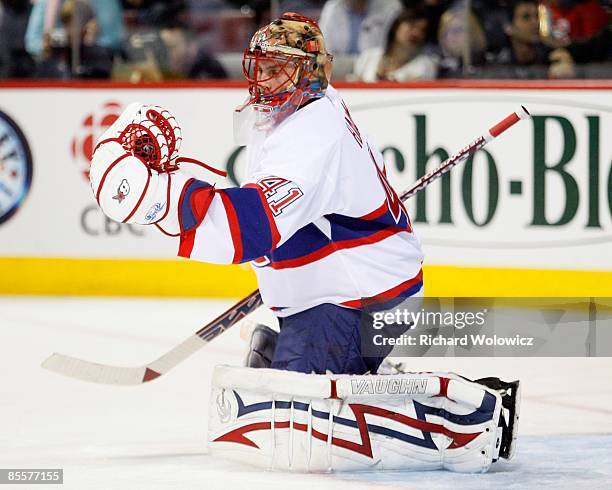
x,y
305,422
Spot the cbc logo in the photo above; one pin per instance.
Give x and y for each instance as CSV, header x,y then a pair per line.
x,y
95,223
92,127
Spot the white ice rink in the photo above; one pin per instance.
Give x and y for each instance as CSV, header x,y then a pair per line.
x,y
153,436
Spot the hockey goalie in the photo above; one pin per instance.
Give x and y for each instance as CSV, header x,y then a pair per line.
x,y
327,236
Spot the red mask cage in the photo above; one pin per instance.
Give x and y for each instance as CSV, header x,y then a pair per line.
x,y
272,77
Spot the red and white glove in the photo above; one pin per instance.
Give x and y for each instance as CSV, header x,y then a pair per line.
x,y
135,175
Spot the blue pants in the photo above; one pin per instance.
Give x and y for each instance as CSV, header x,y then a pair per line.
x,y
326,337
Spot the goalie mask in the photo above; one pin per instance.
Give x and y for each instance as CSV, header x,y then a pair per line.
x,y
286,65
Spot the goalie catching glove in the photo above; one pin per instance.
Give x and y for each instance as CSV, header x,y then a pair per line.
x,y
135,174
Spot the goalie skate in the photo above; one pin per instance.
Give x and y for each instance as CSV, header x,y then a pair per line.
x,y
508,421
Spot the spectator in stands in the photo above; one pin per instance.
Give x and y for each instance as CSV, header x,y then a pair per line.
x,y
149,12
209,5
493,16
405,55
595,49
92,34
15,62
453,34
352,26
75,37
187,57
301,6
526,56
45,19
433,10
583,27
169,46
575,20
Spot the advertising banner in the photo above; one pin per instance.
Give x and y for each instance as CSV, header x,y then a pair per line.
x,y
539,197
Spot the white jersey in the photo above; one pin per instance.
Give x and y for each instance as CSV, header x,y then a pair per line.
x,y
317,219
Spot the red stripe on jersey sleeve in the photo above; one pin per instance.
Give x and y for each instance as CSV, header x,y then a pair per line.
x,y
200,201
180,204
186,242
187,238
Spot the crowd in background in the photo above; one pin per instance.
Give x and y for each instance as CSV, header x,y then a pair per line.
x,y
371,40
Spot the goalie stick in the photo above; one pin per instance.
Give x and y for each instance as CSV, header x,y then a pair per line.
x,y
118,375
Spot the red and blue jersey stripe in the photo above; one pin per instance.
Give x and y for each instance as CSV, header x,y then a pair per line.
x,y
253,230
193,204
310,244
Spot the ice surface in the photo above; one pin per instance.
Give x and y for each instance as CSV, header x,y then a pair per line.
x,y
153,436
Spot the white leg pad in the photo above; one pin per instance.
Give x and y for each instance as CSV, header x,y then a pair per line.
x,y
304,422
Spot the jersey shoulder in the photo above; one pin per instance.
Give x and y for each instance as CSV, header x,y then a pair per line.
x,y
306,145
317,124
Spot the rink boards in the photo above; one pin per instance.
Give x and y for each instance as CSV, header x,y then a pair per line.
x,y
530,215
